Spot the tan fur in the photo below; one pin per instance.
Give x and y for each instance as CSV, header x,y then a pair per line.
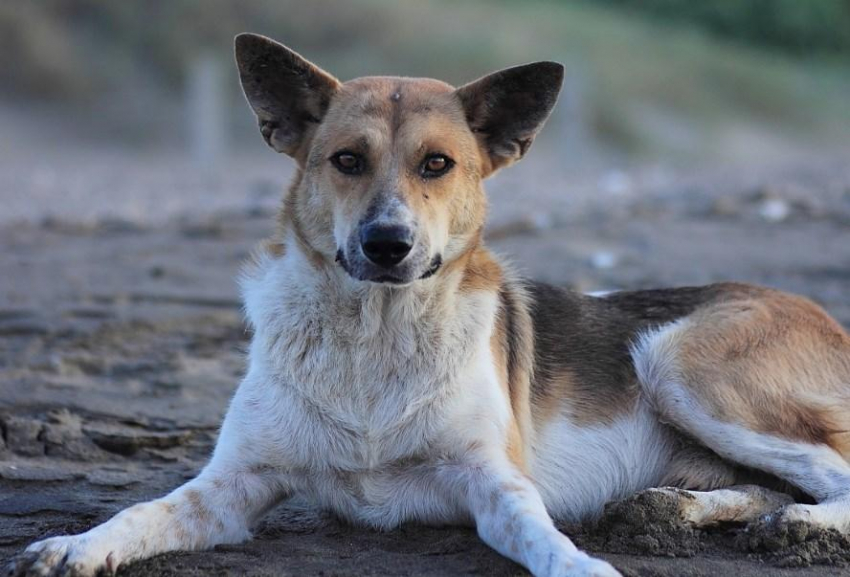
x,y
511,342
774,362
520,369
480,272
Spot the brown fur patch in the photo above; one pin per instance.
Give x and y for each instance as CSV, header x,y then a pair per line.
x,y
481,272
774,362
511,346
197,508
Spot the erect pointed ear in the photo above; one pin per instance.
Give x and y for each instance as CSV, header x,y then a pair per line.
x,y
507,109
288,94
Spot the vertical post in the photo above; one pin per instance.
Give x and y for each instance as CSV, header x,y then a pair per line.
x,y
575,137
205,110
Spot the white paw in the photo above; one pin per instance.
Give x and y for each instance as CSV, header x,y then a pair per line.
x,y
575,564
70,556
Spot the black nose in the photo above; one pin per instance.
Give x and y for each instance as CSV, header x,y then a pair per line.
x,y
386,246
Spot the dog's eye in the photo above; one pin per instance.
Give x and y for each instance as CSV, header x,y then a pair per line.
x,y
436,165
347,162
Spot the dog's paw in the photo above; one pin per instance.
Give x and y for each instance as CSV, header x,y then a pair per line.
x,y
796,536
67,556
573,564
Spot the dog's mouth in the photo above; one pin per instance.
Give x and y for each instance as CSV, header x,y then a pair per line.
x,y
436,263
386,277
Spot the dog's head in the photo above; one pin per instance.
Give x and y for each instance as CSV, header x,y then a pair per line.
x,y
391,168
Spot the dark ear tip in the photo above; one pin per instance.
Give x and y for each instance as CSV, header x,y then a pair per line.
x,y
551,68
245,39
246,42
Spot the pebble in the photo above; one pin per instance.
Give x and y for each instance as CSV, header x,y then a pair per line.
x,y
774,210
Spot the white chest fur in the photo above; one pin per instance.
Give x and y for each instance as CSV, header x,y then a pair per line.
x,y
356,377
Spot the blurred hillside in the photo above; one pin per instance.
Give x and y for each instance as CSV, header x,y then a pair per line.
x,y
813,26
671,79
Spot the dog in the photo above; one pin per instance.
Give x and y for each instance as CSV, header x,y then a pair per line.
x,y
398,373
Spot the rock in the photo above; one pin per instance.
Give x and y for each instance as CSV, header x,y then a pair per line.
x,y
63,437
37,472
22,435
128,440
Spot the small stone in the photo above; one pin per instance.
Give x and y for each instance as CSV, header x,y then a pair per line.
x,y
774,210
128,440
22,435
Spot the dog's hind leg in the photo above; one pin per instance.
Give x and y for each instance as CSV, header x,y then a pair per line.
x,y
762,383
818,470
736,504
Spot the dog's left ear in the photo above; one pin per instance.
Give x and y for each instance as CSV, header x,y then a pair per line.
x,y
508,108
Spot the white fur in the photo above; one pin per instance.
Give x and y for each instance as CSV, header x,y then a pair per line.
x,y
580,468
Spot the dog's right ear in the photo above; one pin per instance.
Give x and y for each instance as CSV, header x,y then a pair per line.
x,y
288,94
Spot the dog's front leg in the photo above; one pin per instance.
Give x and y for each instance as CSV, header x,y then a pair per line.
x,y
510,517
217,507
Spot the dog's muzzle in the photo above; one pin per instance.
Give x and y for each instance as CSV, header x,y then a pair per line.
x,y
376,274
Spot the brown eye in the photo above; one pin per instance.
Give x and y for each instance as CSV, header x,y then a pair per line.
x,y
436,165
347,162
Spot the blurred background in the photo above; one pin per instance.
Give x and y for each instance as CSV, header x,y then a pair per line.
x,y
684,128
120,108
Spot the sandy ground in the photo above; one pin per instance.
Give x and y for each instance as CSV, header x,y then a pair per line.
x,y
121,340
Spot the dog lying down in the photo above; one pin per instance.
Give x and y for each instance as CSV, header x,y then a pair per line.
x,y
398,373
